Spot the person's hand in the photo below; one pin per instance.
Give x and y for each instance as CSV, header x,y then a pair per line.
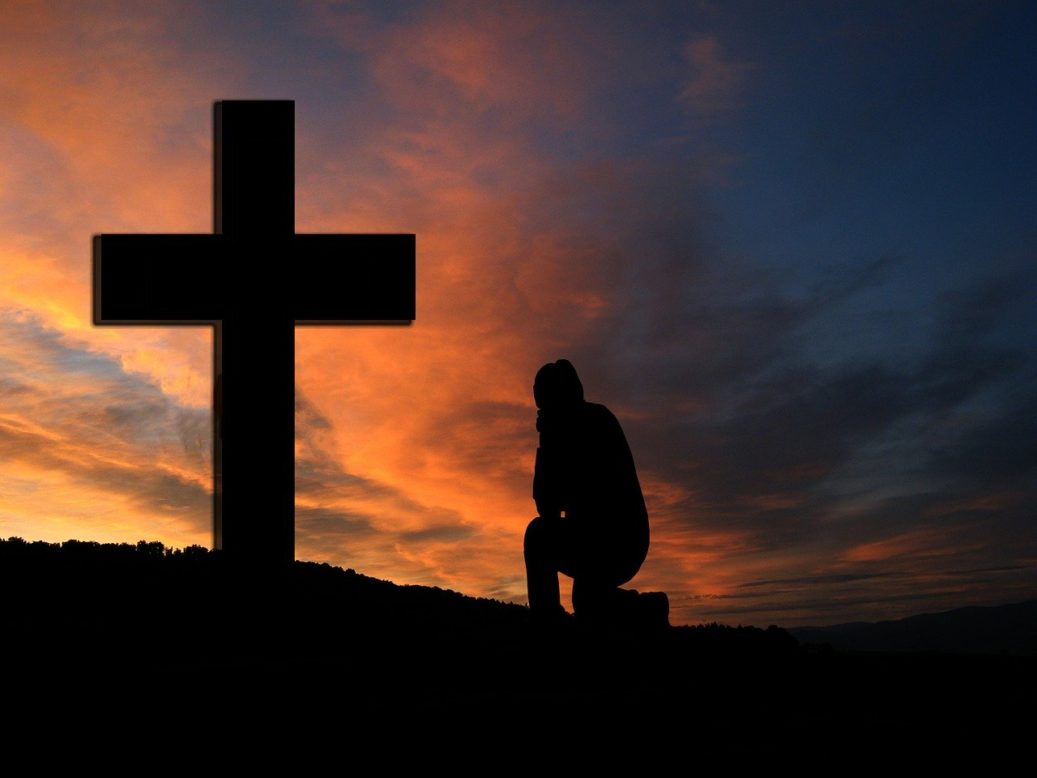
x,y
546,511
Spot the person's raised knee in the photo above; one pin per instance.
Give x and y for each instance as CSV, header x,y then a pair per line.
x,y
534,534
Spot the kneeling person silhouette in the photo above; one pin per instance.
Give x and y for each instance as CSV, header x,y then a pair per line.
x,y
593,523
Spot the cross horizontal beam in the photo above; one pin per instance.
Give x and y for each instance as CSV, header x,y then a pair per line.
x,y
202,279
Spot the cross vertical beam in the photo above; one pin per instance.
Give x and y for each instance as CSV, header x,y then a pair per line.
x,y
254,349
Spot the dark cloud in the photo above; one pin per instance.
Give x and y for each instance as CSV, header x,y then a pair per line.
x,y
882,595
438,533
317,520
12,388
307,416
999,451
811,580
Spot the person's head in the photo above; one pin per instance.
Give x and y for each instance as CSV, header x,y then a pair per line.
x,y
557,385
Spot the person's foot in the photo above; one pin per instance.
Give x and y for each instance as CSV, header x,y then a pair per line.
x,y
654,609
627,609
549,618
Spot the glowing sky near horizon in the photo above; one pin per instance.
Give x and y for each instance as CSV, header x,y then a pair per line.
x,y
792,250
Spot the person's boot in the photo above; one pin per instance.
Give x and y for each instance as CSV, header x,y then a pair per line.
x,y
549,619
654,609
642,610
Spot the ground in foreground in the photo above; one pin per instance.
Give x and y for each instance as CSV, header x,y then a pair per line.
x,y
138,638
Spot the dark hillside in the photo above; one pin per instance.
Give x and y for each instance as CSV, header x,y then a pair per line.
x,y
133,634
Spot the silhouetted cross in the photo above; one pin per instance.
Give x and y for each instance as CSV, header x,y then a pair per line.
x,y
254,280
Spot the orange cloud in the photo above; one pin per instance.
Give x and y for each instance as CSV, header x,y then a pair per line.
x,y
526,61
921,542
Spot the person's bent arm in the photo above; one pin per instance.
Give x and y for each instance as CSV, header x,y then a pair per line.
x,y
545,490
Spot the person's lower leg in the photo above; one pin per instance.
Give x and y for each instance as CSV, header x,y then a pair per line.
x,y
541,572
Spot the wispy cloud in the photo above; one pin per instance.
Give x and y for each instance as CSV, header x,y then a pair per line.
x,y
717,81
90,450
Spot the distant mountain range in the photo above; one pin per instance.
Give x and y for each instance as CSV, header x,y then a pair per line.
x,y
990,630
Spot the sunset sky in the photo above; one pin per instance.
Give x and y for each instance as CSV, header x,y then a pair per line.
x,y
790,245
